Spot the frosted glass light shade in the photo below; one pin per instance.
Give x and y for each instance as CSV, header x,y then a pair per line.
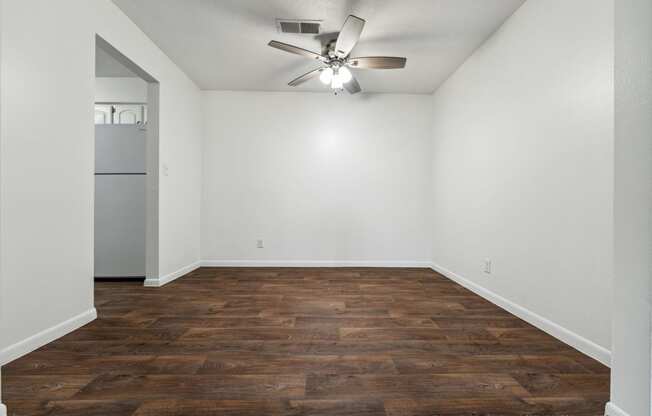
x,y
326,76
337,82
345,74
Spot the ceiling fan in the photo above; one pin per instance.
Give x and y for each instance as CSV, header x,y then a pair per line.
x,y
336,59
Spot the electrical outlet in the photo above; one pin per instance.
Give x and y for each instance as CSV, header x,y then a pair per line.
x,y
260,243
487,266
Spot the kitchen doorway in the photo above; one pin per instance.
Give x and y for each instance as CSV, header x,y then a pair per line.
x,y
126,168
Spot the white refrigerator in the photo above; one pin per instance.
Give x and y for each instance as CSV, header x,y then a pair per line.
x,y
120,201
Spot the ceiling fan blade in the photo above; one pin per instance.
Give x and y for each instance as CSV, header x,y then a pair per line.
x,y
305,77
297,50
378,62
353,87
349,36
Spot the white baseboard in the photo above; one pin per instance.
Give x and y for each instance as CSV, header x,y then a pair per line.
x,y
313,263
576,341
613,410
46,336
163,280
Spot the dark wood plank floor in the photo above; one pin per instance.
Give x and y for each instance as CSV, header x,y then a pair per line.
x,y
354,342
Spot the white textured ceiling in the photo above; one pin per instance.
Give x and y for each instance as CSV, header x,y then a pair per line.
x,y
222,44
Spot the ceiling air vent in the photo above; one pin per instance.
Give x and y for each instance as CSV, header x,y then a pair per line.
x,y
308,27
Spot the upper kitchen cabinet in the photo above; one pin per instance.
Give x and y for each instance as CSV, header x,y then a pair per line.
x,y
128,114
120,113
103,114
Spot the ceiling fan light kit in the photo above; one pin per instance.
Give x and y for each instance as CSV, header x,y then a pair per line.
x,y
337,63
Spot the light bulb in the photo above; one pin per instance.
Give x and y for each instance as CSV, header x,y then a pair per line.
x,y
345,75
326,76
336,83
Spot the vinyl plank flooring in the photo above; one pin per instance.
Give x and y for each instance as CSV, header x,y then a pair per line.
x,y
494,407
264,334
479,322
30,407
43,387
551,385
414,385
506,364
363,407
189,322
320,322
209,407
86,364
203,345
228,387
239,363
299,342
414,334
124,334
346,347
92,408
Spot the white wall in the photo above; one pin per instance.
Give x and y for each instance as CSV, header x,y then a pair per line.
x,y
46,167
630,371
122,90
523,169
47,162
320,178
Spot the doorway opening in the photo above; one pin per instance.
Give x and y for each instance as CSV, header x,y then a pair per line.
x,y
126,115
